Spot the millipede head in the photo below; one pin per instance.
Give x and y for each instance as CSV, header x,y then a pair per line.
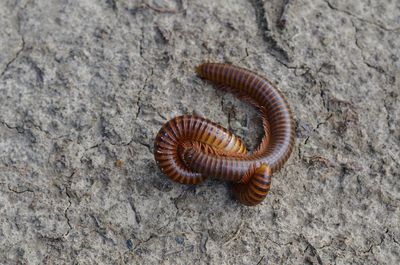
x,y
200,70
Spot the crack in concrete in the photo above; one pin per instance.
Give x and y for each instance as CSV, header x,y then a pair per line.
x,y
38,127
125,143
22,44
15,57
66,215
19,129
383,27
274,48
370,249
136,213
19,191
318,125
144,144
69,205
140,93
259,262
26,130
313,250
278,243
121,144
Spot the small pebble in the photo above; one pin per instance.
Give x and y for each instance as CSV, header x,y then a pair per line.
x,y
129,244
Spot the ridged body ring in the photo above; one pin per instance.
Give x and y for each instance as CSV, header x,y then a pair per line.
x,y
190,148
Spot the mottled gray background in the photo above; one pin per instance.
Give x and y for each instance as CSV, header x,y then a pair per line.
x,y
86,85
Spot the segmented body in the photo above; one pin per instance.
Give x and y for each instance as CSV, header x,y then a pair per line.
x,y
190,148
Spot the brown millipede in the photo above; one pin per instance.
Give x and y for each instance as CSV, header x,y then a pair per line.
x,y
190,148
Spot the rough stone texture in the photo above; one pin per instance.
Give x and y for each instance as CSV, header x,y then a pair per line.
x,y
86,85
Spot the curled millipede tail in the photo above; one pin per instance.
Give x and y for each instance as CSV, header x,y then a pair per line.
x,y
255,191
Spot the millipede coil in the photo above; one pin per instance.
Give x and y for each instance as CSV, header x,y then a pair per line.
x,y
188,149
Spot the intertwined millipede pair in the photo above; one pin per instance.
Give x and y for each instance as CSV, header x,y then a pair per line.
x,y
190,148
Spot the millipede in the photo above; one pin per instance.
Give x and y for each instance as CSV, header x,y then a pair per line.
x,y
188,149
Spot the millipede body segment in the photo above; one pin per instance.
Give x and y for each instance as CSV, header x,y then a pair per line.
x,y
189,148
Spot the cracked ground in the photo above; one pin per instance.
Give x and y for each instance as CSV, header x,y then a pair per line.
x,y
86,85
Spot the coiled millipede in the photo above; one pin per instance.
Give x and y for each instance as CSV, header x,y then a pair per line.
x,y
190,148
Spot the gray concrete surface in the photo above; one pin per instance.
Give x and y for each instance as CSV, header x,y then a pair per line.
x,y
86,85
